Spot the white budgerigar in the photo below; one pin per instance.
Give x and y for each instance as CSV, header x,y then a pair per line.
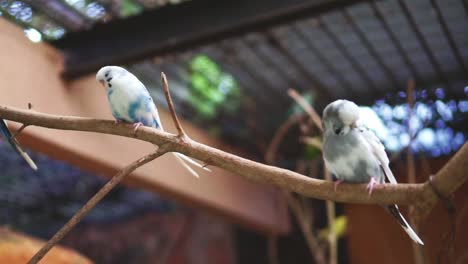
x,y
354,154
130,102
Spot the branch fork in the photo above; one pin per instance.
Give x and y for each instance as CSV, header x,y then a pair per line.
x,y
115,180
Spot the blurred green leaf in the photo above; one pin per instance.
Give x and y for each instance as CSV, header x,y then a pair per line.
x,y
129,8
212,90
340,224
311,152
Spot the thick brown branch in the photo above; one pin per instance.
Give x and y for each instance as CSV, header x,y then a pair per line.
x,y
454,173
92,203
447,179
170,104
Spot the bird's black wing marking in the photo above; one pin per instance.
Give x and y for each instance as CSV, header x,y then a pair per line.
x,y
7,135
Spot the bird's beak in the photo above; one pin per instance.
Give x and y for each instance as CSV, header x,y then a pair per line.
x,y
101,81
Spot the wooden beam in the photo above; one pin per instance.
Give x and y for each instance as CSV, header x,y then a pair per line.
x,y
174,28
34,76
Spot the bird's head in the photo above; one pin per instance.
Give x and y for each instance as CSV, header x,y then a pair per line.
x,y
109,74
339,116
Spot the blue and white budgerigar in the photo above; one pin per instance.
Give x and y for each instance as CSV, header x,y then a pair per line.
x,y
354,154
14,144
130,102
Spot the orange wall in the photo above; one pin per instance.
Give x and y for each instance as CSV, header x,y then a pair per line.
x,y
30,72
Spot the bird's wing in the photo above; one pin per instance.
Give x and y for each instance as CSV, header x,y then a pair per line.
x,y
378,150
152,106
15,145
181,158
155,114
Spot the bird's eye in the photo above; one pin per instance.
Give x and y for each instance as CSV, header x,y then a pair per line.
x,y
337,131
107,74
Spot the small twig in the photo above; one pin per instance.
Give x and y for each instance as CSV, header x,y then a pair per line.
x,y
273,250
296,207
330,205
397,155
332,237
418,252
165,85
307,107
17,132
312,243
116,179
272,150
409,155
184,231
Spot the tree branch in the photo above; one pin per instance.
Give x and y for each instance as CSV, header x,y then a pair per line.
x,y
331,217
448,180
330,205
306,228
307,108
300,212
272,150
93,202
170,104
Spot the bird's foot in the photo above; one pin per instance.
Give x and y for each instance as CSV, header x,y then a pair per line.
x,y
117,121
336,183
371,185
136,126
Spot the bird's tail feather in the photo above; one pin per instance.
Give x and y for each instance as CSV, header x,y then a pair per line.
x,y
26,157
395,212
183,161
191,161
15,145
388,172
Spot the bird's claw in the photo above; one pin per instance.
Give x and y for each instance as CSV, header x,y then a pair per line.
x,y
336,183
136,126
371,185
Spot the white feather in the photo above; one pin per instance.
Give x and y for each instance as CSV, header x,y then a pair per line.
x,y
378,150
348,112
185,165
410,230
28,159
191,161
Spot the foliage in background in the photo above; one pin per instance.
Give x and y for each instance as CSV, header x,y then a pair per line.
x,y
212,90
